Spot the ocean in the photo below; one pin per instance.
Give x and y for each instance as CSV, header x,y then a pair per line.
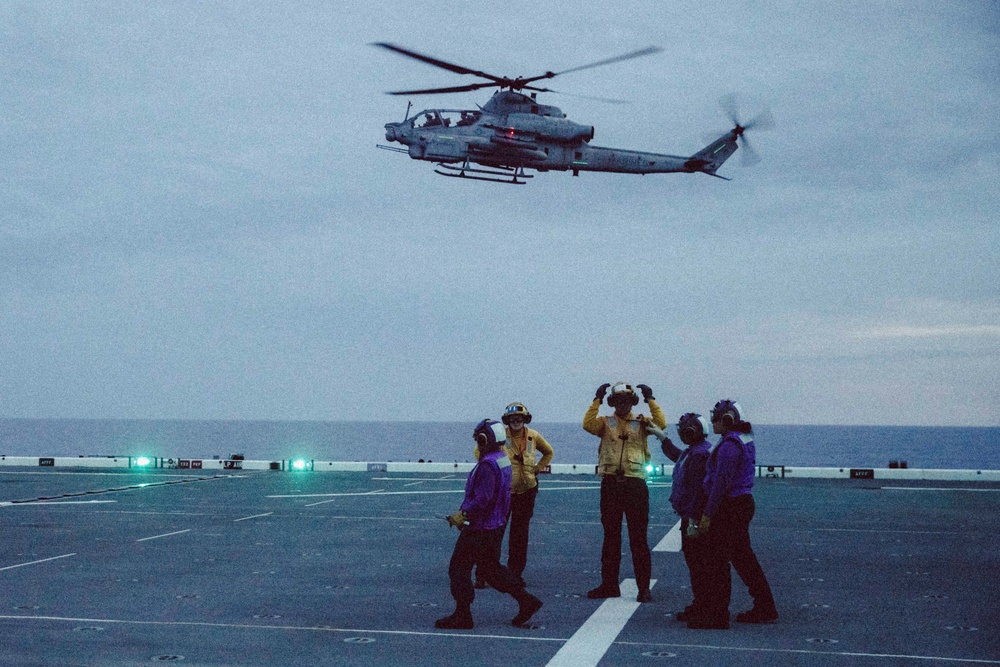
x,y
836,446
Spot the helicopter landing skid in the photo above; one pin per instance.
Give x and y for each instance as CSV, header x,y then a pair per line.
x,y
509,176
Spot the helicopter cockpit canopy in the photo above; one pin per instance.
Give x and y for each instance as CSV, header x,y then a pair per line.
x,y
444,118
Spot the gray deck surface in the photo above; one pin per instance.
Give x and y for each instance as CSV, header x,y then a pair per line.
x,y
279,568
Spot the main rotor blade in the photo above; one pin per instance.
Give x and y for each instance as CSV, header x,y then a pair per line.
x,y
648,51
607,100
458,69
453,89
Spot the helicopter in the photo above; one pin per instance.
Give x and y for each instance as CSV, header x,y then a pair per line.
x,y
513,132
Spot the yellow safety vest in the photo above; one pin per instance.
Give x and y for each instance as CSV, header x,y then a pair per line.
x,y
623,449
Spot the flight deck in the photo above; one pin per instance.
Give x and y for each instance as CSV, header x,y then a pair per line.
x,y
281,567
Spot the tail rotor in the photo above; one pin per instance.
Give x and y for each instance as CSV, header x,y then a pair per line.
x,y
762,121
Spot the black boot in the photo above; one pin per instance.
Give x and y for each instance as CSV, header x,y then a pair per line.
x,y
603,591
683,616
758,615
708,622
461,619
528,604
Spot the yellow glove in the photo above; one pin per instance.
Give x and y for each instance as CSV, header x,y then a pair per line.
x,y
704,524
457,519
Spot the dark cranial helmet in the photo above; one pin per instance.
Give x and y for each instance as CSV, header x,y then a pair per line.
x,y
490,435
728,412
622,391
515,409
692,427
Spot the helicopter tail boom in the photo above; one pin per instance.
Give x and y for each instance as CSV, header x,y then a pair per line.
x,y
710,158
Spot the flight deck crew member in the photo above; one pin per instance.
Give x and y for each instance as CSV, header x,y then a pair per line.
x,y
726,520
523,445
687,497
480,522
621,462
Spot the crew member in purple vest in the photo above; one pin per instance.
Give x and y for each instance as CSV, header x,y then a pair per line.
x,y
725,522
688,498
481,521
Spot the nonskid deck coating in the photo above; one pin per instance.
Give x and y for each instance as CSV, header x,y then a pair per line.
x,y
280,568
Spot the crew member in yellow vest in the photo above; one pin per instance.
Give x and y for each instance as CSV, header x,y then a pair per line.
x,y
523,446
621,462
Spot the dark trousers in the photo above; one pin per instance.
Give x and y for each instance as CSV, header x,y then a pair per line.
x,y
628,497
522,507
698,557
479,548
729,542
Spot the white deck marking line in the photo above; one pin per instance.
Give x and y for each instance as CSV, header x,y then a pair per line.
x,y
408,493
155,537
44,560
418,479
932,488
376,492
851,654
300,628
593,639
365,493
73,502
435,519
7,503
470,635
255,516
321,502
85,473
571,488
671,541
877,530
462,479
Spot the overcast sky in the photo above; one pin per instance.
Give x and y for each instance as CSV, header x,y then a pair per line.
x,y
195,222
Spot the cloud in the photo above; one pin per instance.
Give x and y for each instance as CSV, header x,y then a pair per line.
x,y
196,222
987,330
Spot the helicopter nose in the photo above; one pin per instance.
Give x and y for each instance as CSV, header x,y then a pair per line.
x,y
390,131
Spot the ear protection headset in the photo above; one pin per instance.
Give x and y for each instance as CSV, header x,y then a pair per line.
x,y
692,426
622,391
490,435
728,412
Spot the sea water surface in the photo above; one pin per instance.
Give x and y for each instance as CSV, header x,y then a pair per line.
x,y
838,446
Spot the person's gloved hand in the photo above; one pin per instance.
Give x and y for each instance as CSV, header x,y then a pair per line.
x,y
601,391
647,393
703,525
457,519
655,430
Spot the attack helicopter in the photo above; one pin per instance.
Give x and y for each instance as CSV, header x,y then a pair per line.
x,y
513,132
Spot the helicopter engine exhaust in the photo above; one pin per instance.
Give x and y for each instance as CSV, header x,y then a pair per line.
x,y
548,128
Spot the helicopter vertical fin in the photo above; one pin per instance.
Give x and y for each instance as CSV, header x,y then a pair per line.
x,y
710,158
